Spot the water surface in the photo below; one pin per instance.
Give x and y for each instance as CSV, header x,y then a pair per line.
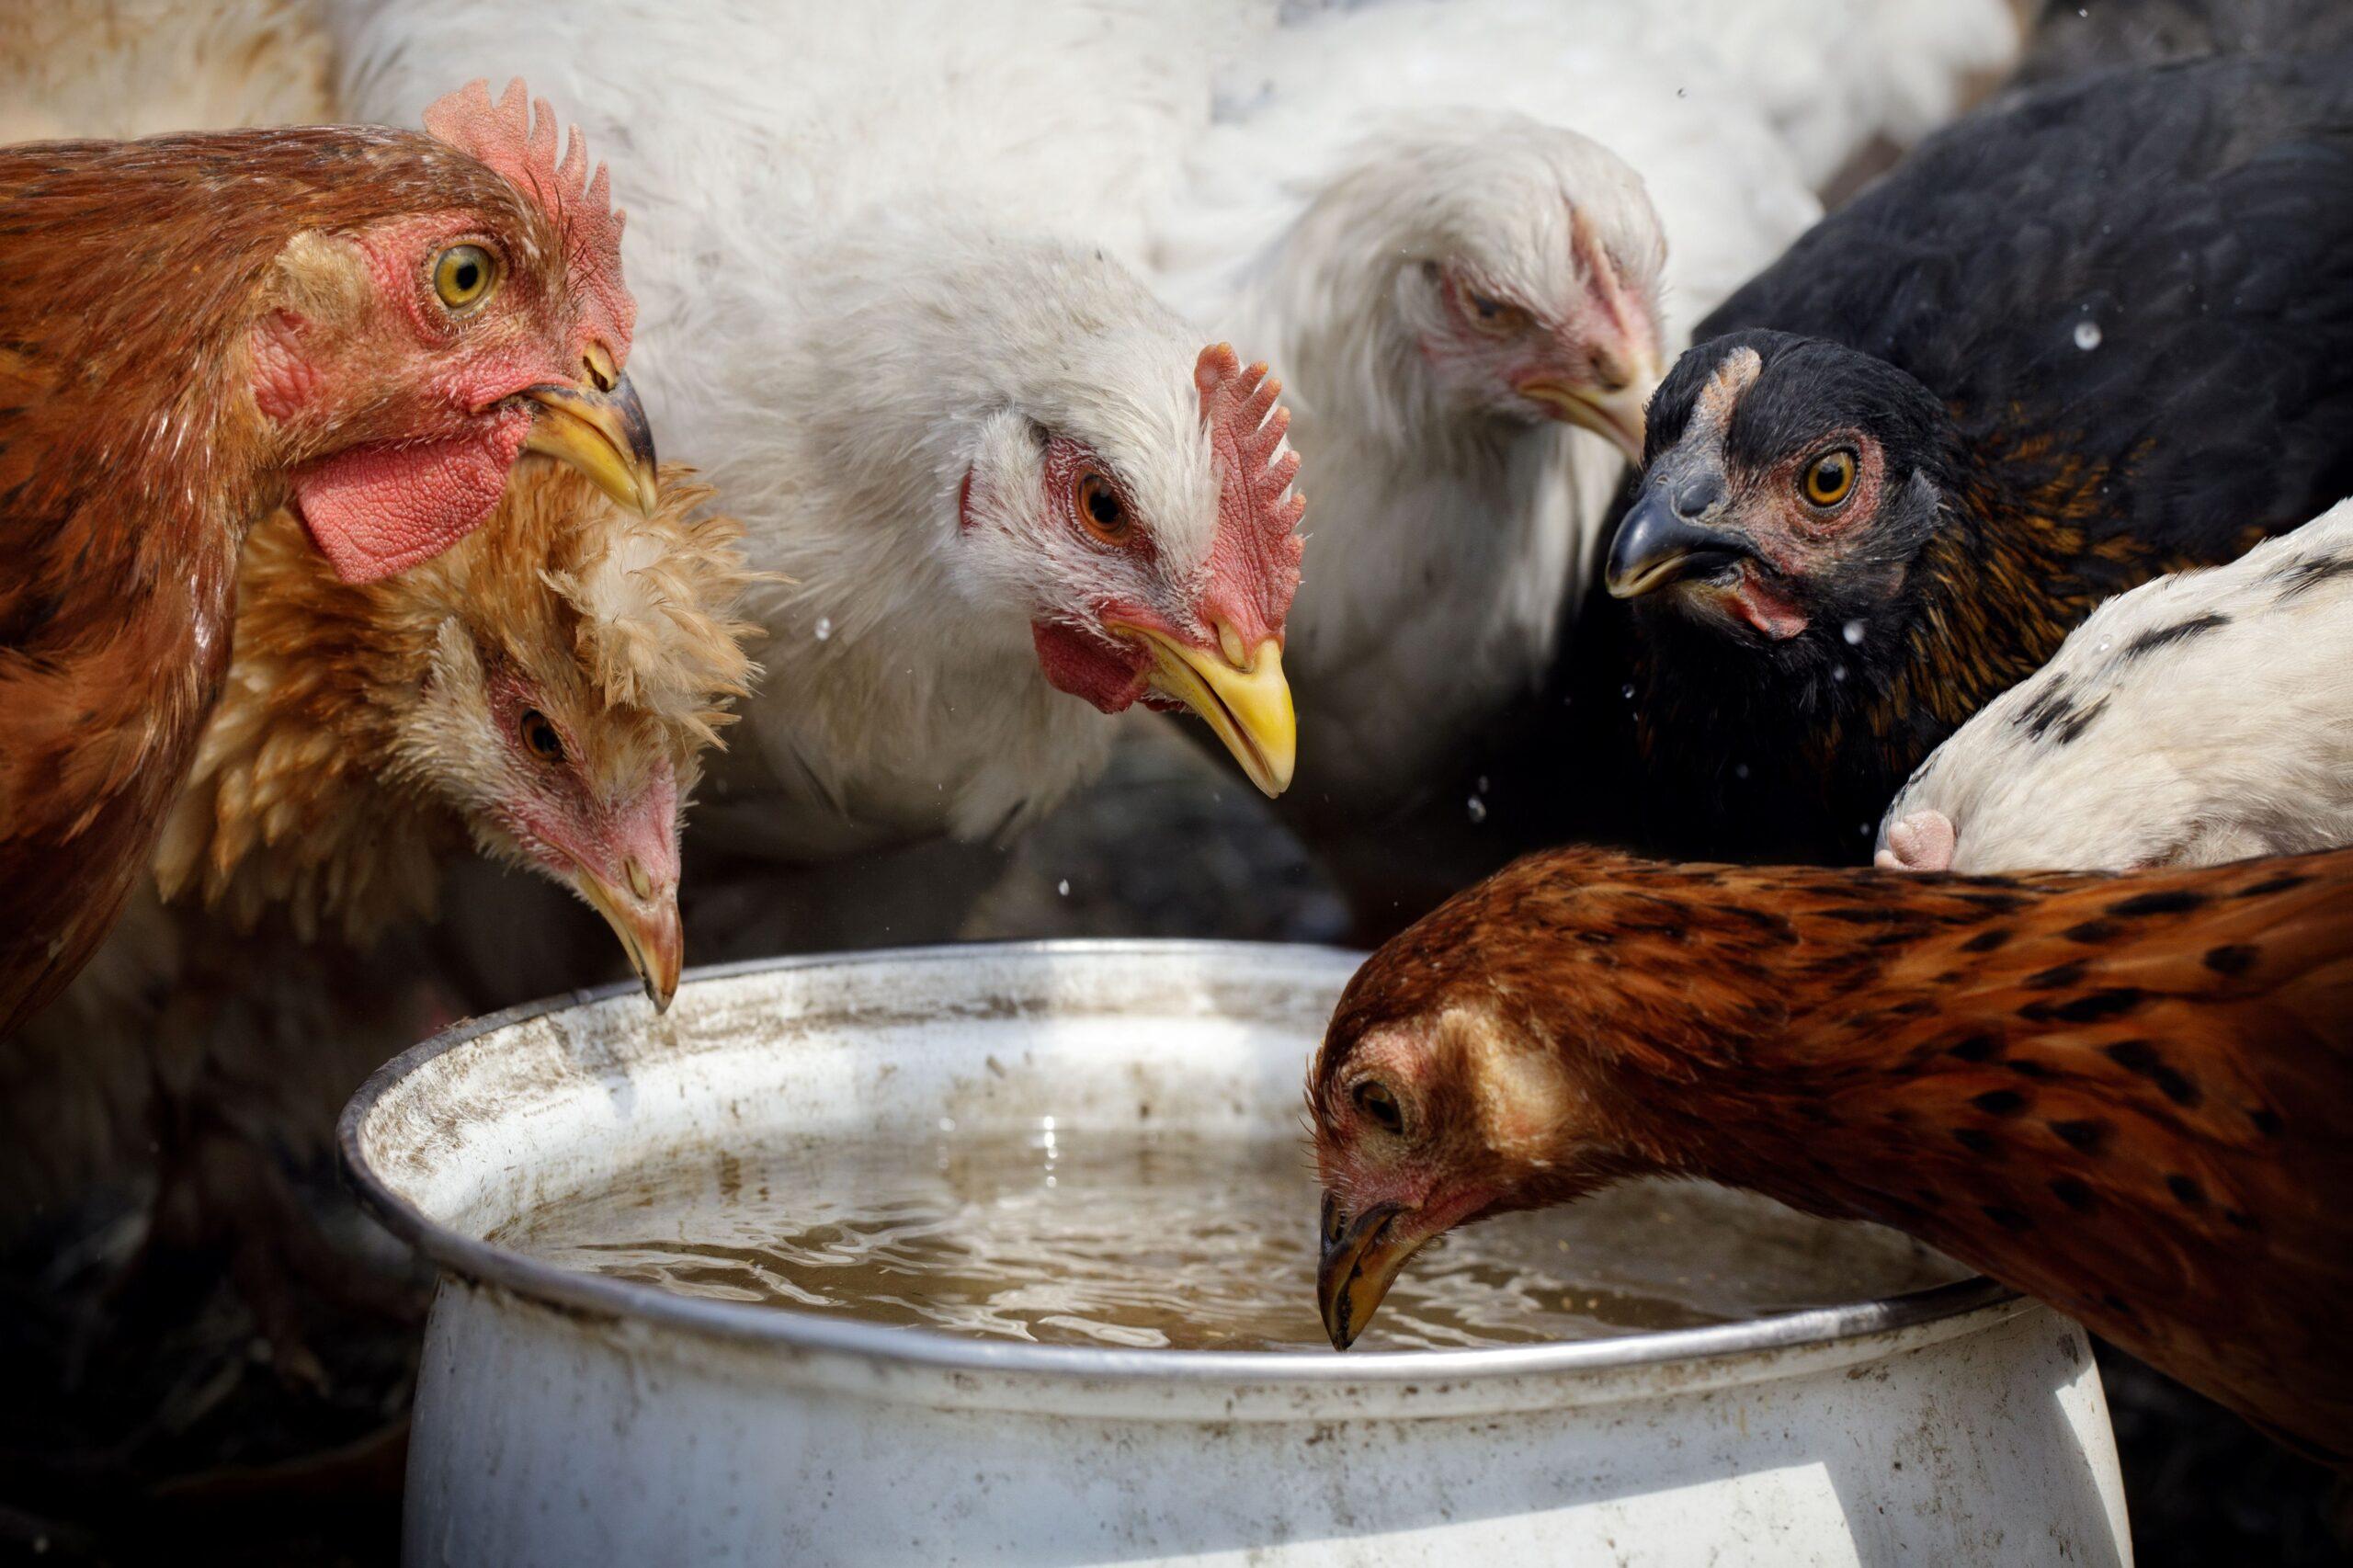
x,y
1123,1239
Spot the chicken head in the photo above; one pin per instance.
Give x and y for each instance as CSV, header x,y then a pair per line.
x,y
1168,576
1789,485
545,690
403,365
1535,293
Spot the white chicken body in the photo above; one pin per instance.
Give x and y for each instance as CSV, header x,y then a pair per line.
x,y
871,258
2198,719
1835,77
1355,152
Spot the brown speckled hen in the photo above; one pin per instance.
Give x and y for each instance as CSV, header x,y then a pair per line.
x,y
2131,1096
367,325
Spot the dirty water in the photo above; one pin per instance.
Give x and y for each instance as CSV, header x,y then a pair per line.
x,y
1117,1239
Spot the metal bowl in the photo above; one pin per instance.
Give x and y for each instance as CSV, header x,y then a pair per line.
x,y
563,1416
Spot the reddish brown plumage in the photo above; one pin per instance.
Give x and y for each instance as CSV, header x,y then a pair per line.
x,y
136,454
2131,1096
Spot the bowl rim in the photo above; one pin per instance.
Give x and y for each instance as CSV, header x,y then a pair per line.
x,y
789,1331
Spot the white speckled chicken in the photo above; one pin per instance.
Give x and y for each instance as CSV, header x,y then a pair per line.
x,y
2200,718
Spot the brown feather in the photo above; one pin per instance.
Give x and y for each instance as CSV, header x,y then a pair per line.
x,y
2131,1096
133,461
305,794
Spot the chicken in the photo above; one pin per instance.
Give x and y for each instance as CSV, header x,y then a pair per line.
x,y
2199,718
1428,213
1844,81
2132,1097
543,692
1009,491
2099,334
370,324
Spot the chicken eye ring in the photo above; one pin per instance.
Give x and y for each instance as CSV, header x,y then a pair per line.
x,y
1375,1100
1830,478
1489,314
1100,507
463,275
538,733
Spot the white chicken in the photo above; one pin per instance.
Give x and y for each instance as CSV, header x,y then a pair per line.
x,y
1841,79
1006,487
2200,718
1461,229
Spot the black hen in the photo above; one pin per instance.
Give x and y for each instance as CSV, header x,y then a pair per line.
x,y
2098,335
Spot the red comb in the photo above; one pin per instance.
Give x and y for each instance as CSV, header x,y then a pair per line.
x,y
517,137
1254,559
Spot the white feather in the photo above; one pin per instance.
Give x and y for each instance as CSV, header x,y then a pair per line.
x,y
2223,741
870,249
1836,76
1448,537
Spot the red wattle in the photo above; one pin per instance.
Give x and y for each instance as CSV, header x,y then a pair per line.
x,y
1110,675
1771,613
376,510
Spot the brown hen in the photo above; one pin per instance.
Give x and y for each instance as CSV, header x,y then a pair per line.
x,y
368,325
2130,1096
366,735
544,691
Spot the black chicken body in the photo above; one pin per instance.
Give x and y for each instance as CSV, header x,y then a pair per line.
x,y
2100,333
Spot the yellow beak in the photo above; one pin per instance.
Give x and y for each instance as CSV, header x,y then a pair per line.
x,y
646,922
1247,704
1618,416
601,433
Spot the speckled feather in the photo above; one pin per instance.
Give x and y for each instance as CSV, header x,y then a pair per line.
x,y
2131,1096
2200,718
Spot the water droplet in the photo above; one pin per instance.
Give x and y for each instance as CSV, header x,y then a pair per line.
x,y
1838,672
1627,691
1740,770
1482,783
948,1124
1682,92
2088,335
1478,808
824,627
1062,888
1853,632
2106,643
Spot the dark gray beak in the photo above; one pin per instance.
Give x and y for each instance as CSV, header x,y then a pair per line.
x,y
1656,546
